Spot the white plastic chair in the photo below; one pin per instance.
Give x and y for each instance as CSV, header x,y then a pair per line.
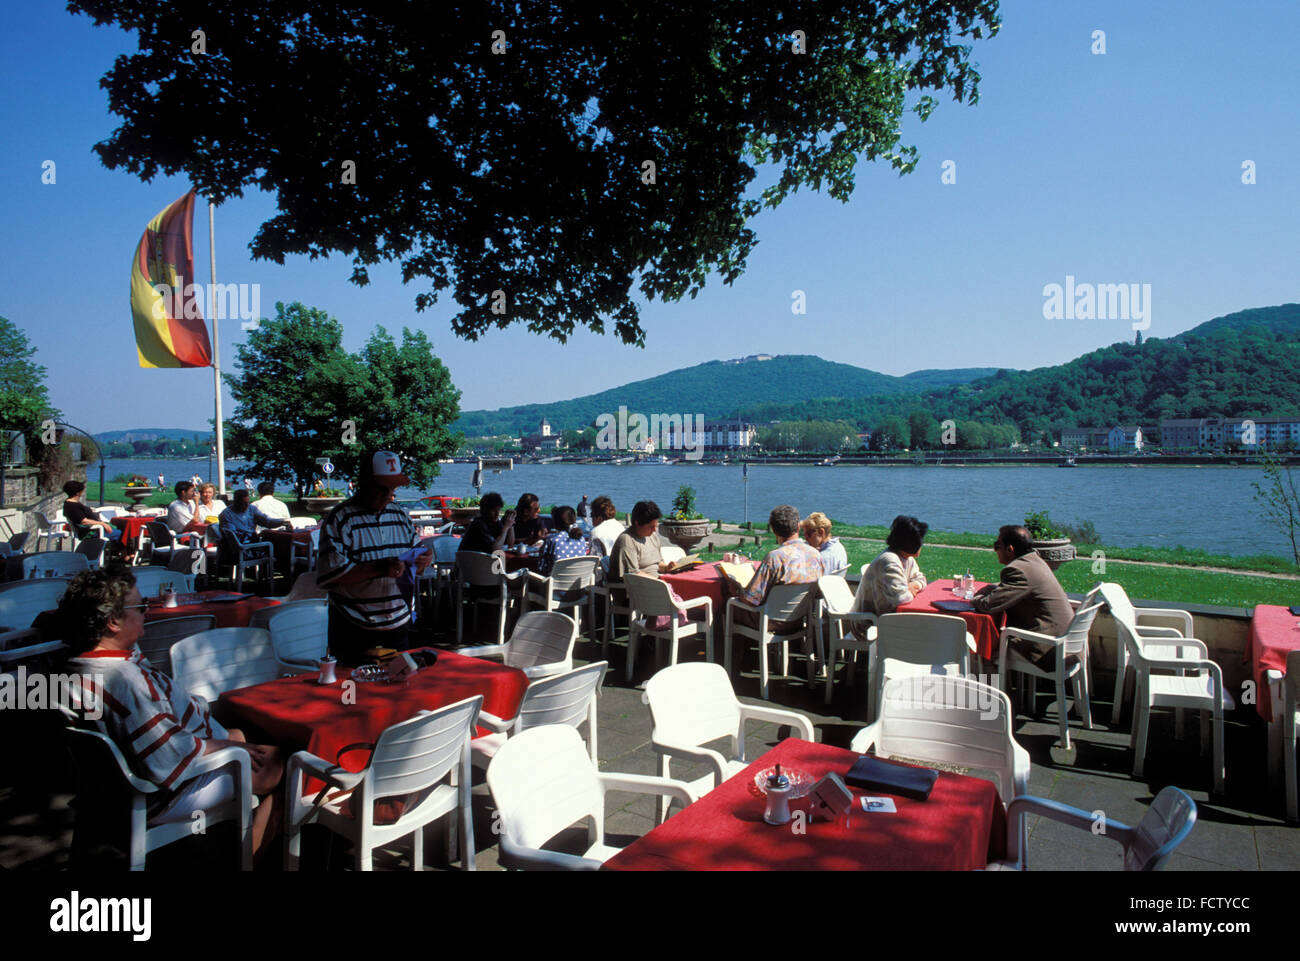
x,y
541,645
1069,663
63,563
950,720
1155,640
543,781
651,597
114,801
411,759
163,544
568,586
485,576
916,645
150,580
299,633
1147,847
224,659
1198,684
241,556
22,601
835,609
50,532
93,548
1290,721
693,704
785,602
438,575
304,589
161,636
560,699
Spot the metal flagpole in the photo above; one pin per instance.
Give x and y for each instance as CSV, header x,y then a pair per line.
x,y
216,347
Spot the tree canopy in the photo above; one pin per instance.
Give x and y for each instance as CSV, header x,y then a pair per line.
x,y
538,159
300,396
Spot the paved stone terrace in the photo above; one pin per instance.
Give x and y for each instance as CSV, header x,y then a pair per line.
x,y
1243,831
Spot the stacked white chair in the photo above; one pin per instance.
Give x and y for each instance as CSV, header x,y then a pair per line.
x,y
1157,641
224,659
693,704
568,698
651,597
543,781
411,760
835,611
915,645
541,645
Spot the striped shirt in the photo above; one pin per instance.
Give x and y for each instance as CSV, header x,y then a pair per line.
x,y
157,724
353,534
793,562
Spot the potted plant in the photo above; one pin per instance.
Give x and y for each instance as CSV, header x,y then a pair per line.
x,y
1049,540
323,499
685,526
137,488
461,510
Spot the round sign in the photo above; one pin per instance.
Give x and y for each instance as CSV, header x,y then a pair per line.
x,y
327,467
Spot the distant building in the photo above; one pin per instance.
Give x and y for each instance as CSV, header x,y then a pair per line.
x,y
1125,437
542,440
1261,432
1085,437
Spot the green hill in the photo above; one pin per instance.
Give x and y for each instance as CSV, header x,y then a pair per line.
x,y
151,433
715,389
1239,365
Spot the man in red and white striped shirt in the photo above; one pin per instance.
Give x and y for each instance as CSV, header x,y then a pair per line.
x,y
160,727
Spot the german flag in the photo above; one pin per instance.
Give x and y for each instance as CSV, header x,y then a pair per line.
x,y
169,331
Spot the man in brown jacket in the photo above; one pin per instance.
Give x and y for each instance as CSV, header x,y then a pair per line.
x,y
1028,591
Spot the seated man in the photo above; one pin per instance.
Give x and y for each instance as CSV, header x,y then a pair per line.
x,y
1028,591
180,512
792,561
488,532
269,504
637,549
242,519
159,727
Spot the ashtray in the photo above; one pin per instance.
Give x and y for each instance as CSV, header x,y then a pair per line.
x,y
800,783
370,673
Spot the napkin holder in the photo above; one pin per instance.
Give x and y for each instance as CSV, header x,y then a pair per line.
x,y
831,799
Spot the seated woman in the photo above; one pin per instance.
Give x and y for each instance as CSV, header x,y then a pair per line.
x,y
529,528
816,530
210,505
159,726
893,577
606,527
565,541
486,533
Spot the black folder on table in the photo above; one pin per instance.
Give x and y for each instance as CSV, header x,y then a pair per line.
x,y
874,774
957,607
1296,611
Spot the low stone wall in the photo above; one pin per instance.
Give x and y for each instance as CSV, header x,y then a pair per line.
x,y
20,485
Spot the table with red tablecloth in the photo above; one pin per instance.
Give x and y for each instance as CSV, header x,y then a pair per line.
x,y
296,711
233,613
703,581
135,527
1273,635
282,541
985,628
960,827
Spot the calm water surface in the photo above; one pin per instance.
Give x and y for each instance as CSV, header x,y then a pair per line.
x,y
1206,507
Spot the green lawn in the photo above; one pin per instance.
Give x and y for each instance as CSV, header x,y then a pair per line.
x,y
1181,585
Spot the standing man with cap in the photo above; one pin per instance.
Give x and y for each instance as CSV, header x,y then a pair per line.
x,y
360,545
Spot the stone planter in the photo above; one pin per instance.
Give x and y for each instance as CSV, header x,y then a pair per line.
x,y
321,505
1056,551
460,515
685,534
138,495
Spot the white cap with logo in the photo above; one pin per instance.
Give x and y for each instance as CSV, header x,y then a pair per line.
x,y
386,468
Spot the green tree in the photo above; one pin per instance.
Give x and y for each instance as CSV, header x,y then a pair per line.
x,y
1280,500
890,434
531,157
923,430
24,401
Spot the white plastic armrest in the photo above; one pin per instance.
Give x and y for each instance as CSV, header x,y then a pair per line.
x,y
865,738
742,605
490,720
1065,813
970,643
32,650
777,716
1186,664
532,576
692,753
1183,616
334,774
482,650
1034,636
23,636
646,784
1273,676
222,758
1154,633
534,859
695,602
544,670
1178,643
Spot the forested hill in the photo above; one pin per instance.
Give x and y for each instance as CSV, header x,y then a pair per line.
x,y
1243,364
715,389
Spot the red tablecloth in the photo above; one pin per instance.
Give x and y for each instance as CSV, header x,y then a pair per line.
x,y
298,711
985,628
1273,635
703,581
961,827
282,541
132,525
227,613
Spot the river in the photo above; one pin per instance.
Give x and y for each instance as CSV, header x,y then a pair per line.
x,y
1207,507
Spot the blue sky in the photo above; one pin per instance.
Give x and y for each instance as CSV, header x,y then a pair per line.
x,y
1118,168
